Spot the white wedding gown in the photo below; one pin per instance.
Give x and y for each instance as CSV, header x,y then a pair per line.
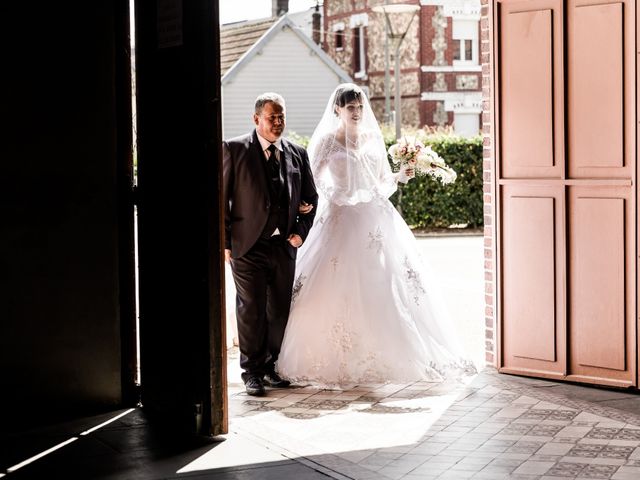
x,y
365,309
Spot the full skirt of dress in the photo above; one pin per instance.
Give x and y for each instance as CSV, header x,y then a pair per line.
x,y
365,307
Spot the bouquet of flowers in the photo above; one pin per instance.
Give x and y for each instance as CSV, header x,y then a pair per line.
x,y
411,153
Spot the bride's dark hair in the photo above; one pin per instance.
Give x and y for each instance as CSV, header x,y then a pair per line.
x,y
348,94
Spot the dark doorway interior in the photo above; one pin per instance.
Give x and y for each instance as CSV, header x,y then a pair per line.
x,y
67,329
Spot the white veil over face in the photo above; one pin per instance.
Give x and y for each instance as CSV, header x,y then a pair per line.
x,y
347,152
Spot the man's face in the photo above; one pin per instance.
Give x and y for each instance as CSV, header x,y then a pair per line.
x,y
270,122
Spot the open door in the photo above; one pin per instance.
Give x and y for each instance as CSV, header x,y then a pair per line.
x,y
67,343
566,182
183,369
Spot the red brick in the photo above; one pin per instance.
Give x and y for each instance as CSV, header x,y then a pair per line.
x,y
488,311
488,276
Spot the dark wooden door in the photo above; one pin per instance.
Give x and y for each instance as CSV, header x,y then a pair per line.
x,y
183,371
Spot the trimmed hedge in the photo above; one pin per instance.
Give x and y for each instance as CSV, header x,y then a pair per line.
x,y
424,202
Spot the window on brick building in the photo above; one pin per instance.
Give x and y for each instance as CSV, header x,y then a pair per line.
x,y
465,41
463,50
359,58
338,32
339,39
358,24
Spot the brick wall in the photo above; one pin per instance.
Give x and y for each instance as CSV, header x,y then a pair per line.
x,y
489,185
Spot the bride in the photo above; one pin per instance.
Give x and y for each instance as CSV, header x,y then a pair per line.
x,y
364,308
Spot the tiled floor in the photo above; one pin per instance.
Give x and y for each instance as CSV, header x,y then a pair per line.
x,y
494,427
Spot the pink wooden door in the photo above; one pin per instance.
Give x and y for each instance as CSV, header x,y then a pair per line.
x,y
565,77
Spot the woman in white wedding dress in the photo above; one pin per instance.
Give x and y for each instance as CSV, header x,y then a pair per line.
x,y
364,307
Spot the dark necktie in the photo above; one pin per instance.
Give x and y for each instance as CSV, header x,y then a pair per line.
x,y
273,167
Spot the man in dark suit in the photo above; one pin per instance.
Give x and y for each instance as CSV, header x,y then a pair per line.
x,y
270,200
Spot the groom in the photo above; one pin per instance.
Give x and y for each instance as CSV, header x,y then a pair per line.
x,y
266,180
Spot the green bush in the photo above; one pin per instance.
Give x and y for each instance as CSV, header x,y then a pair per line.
x,y
301,140
424,202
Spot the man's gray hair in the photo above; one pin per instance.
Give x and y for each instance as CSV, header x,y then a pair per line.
x,y
268,97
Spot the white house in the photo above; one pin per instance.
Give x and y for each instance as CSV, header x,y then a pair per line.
x,y
274,55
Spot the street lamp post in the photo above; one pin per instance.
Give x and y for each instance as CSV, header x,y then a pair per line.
x,y
404,13
387,77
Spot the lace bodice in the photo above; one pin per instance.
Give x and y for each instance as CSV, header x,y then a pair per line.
x,y
347,176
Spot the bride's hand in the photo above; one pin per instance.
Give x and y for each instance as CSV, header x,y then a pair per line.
x,y
405,174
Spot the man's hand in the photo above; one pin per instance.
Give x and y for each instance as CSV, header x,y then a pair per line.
x,y
305,208
227,255
294,240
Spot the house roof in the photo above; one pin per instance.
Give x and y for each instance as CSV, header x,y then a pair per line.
x,y
236,49
237,38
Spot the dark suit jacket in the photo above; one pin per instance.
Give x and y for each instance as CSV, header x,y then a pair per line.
x,y
246,194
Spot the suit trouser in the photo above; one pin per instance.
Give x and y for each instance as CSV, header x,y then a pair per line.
x,y
263,279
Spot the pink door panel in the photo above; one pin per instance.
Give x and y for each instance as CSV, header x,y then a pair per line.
x,y
600,284
596,92
533,298
531,115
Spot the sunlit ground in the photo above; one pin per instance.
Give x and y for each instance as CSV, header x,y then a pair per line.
x,y
308,423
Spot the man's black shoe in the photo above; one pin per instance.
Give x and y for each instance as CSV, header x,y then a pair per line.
x,y
254,386
274,380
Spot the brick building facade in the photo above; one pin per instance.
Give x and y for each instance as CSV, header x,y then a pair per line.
x,y
440,59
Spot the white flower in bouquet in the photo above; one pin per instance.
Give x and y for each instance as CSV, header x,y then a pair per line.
x,y
410,152
430,163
